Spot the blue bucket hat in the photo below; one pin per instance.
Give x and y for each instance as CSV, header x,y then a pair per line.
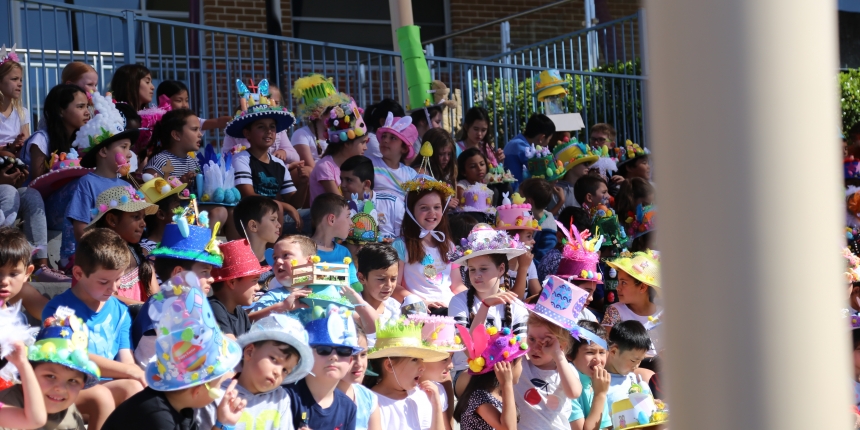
x,y
332,326
284,329
63,340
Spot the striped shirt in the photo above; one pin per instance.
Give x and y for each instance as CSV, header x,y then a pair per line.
x,y
388,180
269,179
181,166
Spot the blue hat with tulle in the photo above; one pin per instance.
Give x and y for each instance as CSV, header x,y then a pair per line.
x,y
332,326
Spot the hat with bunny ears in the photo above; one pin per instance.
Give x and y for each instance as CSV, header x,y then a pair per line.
x,y
402,129
284,329
487,346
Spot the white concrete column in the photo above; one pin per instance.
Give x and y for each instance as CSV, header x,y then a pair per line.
x,y
743,111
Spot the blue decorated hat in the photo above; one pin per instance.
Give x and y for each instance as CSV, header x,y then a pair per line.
x,y
63,340
332,326
325,295
255,106
284,329
192,244
190,348
560,302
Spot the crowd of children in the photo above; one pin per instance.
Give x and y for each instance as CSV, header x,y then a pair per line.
x,y
376,273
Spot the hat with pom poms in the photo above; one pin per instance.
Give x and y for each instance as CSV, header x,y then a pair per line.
x,y
63,340
487,346
107,126
344,122
483,240
125,199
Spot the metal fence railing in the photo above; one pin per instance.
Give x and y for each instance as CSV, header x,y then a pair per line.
x,y
210,59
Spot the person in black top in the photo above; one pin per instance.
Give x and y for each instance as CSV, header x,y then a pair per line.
x,y
234,287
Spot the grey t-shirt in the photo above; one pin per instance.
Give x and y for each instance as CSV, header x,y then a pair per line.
x,y
264,411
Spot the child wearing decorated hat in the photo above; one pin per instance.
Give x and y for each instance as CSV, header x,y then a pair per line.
x,y
315,401
275,353
576,158
495,366
357,182
316,96
634,161
235,283
378,268
538,192
638,286
398,357
588,355
539,128
167,194
395,144
281,296
368,415
193,358
515,217
347,137
579,264
440,333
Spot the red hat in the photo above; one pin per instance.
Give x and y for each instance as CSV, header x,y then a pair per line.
x,y
239,261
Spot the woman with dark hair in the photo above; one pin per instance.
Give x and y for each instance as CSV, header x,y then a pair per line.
x,y
132,84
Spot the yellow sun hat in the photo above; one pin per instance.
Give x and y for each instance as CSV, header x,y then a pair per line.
x,y
642,266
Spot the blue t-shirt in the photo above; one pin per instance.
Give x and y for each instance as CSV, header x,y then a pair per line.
x,y
366,401
87,190
110,328
336,256
278,295
341,414
515,157
142,323
581,407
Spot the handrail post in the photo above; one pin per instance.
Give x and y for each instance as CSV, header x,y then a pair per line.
x,y
130,43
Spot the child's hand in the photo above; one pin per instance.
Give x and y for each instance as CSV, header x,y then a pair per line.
x,y
500,155
136,373
550,344
525,260
504,373
500,298
281,154
600,381
292,302
432,390
188,177
231,406
16,144
559,194
434,305
353,296
9,176
18,355
453,204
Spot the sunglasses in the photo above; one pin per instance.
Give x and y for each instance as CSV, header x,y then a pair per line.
x,y
341,351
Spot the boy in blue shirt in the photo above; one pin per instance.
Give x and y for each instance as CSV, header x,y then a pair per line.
x,y
628,344
100,260
539,130
330,217
588,355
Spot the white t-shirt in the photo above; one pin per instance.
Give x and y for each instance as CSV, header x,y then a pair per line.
x,y
618,312
304,136
282,141
495,316
619,387
10,127
390,312
373,146
415,412
39,139
531,273
541,399
388,180
390,210
430,279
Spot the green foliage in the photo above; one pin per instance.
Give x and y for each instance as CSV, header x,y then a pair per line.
x,y
849,83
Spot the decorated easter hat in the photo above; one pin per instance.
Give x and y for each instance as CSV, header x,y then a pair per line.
x,y
549,83
254,106
190,238
315,93
402,338
325,295
541,164
149,117
630,152
483,240
239,261
421,183
365,221
560,302
106,126
640,222
487,346
642,266
579,256
402,129
439,332
8,54
344,122
638,411
606,225
515,214
158,189
852,274
63,340
216,183
125,199
287,330
63,168
572,152
333,326
190,348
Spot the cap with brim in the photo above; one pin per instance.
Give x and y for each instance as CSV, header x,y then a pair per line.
x,y
192,247
642,266
239,262
549,83
284,119
484,240
125,199
287,330
89,158
402,338
333,326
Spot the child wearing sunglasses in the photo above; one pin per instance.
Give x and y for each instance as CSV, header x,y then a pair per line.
x,y
315,401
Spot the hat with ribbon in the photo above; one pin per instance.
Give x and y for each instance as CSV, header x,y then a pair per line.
x,y
487,346
315,93
344,122
560,302
483,240
63,340
239,261
582,334
106,126
402,338
332,326
157,189
579,256
125,199
541,164
642,266
63,168
515,214
571,153
631,151
401,128
190,348
287,330
439,332
641,222
549,83
254,106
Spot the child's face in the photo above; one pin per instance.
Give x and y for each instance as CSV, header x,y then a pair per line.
x,y
476,169
89,82
76,113
12,84
391,147
428,211
641,168
264,367
477,131
588,357
436,120
179,100
204,275
538,337
342,223
439,371
128,225
379,284
275,96
527,237
60,386
444,156
99,285
351,184
330,366
356,147
192,135
261,133
12,279
589,288
600,196
269,227
628,291
359,364
283,253
146,89
485,275
579,170
122,146
625,362
244,289
408,371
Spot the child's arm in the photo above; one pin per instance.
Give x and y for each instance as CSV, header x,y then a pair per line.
x,y
507,419
33,301
330,187
37,161
33,414
78,227
365,312
289,304
230,409
304,152
569,379
559,195
457,285
500,298
432,391
219,123
600,383
119,370
523,263
375,420
291,211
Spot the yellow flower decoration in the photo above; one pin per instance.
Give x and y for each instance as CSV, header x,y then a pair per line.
x,y
347,260
315,258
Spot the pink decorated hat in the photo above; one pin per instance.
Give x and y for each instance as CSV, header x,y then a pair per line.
x,y
515,214
401,128
560,302
64,169
579,256
487,346
439,332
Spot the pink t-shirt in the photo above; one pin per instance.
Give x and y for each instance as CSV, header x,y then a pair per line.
x,y
325,170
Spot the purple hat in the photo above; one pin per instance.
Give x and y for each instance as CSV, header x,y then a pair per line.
x,y
401,128
560,302
487,346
